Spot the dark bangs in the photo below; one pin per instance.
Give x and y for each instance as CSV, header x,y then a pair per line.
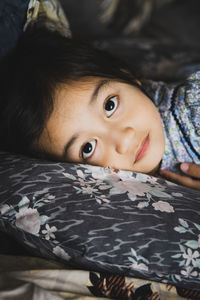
x,y
30,74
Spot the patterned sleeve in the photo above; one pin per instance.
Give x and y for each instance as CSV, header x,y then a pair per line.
x,y
180,112
188,113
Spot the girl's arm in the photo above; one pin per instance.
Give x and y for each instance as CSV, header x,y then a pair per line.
x,y
190,169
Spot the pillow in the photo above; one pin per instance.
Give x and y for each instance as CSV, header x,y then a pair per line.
x,y
52,12
16,15
93,218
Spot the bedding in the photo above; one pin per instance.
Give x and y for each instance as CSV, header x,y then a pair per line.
x,y
139,32
52,14
16,15
151,59
77,231
39,279
95,219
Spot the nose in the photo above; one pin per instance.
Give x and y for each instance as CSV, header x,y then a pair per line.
x,y
124,140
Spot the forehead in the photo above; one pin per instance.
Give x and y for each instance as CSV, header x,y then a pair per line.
x,y
70,105
67,93
86,87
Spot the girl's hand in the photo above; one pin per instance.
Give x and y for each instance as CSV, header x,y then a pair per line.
x,y
190,169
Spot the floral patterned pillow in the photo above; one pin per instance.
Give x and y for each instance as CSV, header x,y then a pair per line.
x,y
93,218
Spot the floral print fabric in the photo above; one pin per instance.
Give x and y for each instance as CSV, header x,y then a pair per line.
x,y
53,13
93,218
179,107
51,280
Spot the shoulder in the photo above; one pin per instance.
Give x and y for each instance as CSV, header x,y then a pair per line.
x,y
186,99
185,109
193,84
187,93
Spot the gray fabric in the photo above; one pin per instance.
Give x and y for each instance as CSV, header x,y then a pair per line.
x,y
92,218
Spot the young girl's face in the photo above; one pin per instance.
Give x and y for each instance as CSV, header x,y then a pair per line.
x,y
106,123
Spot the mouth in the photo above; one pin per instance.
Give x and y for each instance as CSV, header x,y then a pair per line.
x,y
143,149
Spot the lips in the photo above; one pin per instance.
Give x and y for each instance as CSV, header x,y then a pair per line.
x,y
143,149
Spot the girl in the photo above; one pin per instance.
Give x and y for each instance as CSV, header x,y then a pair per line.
x,y
67,101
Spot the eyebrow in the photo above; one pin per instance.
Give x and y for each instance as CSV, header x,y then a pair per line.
x,y
69,144
100,84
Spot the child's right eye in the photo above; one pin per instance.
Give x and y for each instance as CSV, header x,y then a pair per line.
x,y
88,149
111,105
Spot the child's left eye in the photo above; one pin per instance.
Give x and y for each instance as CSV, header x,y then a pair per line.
x,y
111,105
88,149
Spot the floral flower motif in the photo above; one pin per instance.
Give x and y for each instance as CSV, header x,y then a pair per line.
x,y
188,271
98,172
177,194
163,206
146,178
89,190
85,184
180,229
49,196
190,257
58,251
199,240
142,204
49,232
140,266
28,220
4,208
152,180
131,186
102,199
124,175
136,259
183,222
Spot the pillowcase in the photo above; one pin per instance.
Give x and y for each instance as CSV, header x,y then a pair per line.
x,y
51,13
93,218
16,15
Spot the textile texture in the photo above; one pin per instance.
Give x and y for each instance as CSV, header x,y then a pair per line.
x,y
39,279
179,107
93,218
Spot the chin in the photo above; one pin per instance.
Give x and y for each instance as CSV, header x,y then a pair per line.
x,y
146,167
154,170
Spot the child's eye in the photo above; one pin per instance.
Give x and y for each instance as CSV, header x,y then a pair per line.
x,y
88,149
111,105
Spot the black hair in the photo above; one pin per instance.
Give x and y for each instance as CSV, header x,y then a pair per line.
x,y
29,75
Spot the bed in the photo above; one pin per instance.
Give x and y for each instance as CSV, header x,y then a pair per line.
x,y
80,231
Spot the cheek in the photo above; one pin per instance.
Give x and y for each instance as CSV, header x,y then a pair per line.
x,y
143,119
152,116
142,112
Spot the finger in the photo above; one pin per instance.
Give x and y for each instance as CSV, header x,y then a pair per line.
x,y
183,180
191,169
